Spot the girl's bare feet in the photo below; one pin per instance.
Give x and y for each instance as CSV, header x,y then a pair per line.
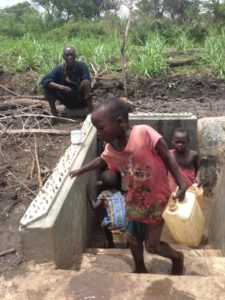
x,y
178,265
140,271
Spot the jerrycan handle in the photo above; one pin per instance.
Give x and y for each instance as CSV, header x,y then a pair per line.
x,y
173,205
193,188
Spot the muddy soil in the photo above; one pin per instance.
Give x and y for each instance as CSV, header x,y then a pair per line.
x,y
203,96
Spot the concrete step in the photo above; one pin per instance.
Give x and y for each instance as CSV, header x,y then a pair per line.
x,y
197,262
185,249
44,282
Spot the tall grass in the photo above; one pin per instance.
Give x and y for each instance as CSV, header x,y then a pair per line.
x,y
147,60
214,53
42,55
183,44
150,59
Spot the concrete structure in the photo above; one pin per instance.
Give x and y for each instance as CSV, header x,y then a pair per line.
x,y
217,224
62,228
58,229
104,276
59,222
166,123
211,141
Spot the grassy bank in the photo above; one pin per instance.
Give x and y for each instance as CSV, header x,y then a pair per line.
x,y
148,59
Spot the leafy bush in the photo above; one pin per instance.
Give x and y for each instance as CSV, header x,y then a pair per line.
x,y
197,33
82,28
144,25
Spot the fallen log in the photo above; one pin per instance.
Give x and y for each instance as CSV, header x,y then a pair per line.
x,y
6,106
28,102
37,116
17,110
24,102
8,90
38,97
8,251
179,63
31,131
5,97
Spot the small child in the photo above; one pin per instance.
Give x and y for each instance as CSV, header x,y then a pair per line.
x,y
114,203
186,158
142,157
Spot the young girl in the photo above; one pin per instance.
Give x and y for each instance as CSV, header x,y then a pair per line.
x,y
142,157
187,159
114,204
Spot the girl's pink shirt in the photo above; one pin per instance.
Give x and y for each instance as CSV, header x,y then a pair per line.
x,y
144,175
188,175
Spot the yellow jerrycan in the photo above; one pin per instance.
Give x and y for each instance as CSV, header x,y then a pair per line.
x,y
185,219
198,190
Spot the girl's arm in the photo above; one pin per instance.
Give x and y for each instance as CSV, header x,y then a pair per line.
x,y
92,165
94,204
197,169
172,167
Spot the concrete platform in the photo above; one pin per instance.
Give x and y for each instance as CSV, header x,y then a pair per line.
x,y
190,252
43,282
59,222
197,262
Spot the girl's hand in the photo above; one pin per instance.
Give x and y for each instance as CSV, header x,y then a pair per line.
x,y
180,193
198,181
75,173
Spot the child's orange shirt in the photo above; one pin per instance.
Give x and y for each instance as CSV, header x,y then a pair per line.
x,y
188,175
143,173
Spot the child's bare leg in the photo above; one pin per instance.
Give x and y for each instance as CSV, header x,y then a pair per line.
x,y
109,237
137,252
135,237
154,245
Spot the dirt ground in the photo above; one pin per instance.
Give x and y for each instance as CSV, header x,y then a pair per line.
x,y
203,96
19,182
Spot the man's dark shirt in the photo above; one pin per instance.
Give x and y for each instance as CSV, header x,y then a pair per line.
x,y
78,73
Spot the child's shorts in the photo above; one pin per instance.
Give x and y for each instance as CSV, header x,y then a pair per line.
x,y
105,222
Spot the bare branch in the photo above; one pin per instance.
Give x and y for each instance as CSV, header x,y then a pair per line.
x,y
37,116
21,183
129,5
8,251
8,90
35,130
37,163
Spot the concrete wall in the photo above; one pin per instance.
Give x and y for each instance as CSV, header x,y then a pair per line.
x,y
217,224
67,228
166,123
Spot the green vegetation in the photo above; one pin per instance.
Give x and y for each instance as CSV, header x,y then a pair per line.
x,y
150,59
214,53
33,40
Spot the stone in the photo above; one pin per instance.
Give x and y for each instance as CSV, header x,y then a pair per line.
x,y
211,141
217,223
